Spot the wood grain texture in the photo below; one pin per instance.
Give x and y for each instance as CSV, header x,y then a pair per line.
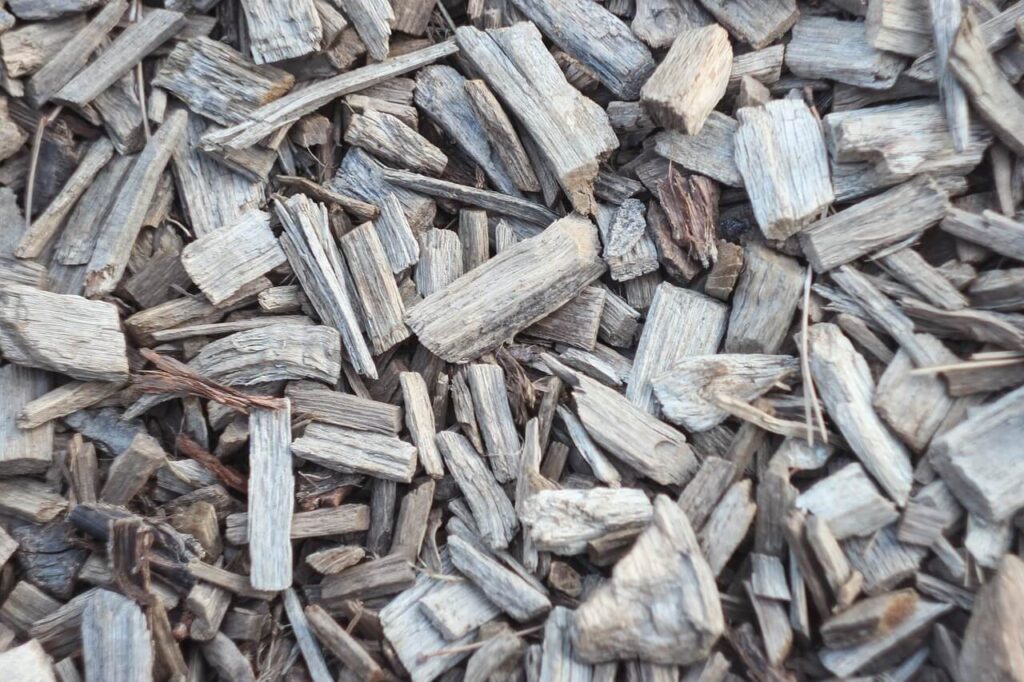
x,y
494,415
710,152
282,30
26,448
531,280
391,140
780,152
383,310
824,47
115,639
271,486
764,302
356,452
755,23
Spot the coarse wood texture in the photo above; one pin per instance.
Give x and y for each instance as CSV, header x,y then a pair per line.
x,y
780,152
115,639
824,47
28,661
26,449
532,279
690,81
665,566
564,521
218,82
391,140
309,399
222,262
361,452
271,485
282,30
127,50
40,329
755,22
383,310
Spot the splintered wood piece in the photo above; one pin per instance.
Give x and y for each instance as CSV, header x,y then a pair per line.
x,y
325,405
849,502
688,390
440,261
658,22
127,50
765,300
905,139
463,320
768,577
132,469
900,26
226,659
632,435
993,96
629,250
271,486
458,610
991,640
412,520
993,231
910,268
335,559
372,20
28,661
419,420
577,323
282,30
222,262
666,567
502,135
218,82
37,328
825,47
694,323
288,109
493,512
874,223
599,40
701,494
846,661
780,152
571,131
972,459
564,521
303,633
115,639
316,261
375,284
773,620
914,406
24,448
273,353
727,526
395,235
341,644
869,619
510,592
377,578
358,452
756,22
690,80
391,140
494,416
599,464
474,238
348,518
709,152
43,229
124,220
846,388
444,96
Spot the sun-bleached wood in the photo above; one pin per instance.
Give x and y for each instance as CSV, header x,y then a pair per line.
x,y
874,223
341,409
990,644
127,50
494,415
599,40
688,390
825,47
218,82
709,152
282,30
764,302
993,96
132,469
509,591
780,152
115,639
372,20
599,463
577,323
755,22
672,311
900,26
989,229
532,279
846,388
381,301
271,488
493,512
502,135
914,406
222,262
849,502
29,662
910,268
395,235
296,104
690,81
341,644
571,131
359,452
440,262
666,567
24,448
658,22
705,489
458,610
316,260
419,420
37,328
564,521
970,457
391,140
124,220
348,518
727,525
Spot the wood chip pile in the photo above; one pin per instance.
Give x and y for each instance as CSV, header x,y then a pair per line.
x,y
511,340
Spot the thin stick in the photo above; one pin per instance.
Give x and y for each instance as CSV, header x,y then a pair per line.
x,y
230,476
140,80
966,366
37,141
810,394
